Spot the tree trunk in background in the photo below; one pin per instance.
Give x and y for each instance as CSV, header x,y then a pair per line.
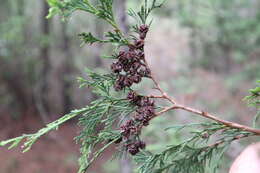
x,y
13,78
14,81
66,70
45,58
227,58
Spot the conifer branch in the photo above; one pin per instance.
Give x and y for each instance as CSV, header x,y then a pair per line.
x,y
212,117
203,113
122,118
199,112
254,94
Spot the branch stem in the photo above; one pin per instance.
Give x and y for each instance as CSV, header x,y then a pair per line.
x,y
231,140
204,114
210,116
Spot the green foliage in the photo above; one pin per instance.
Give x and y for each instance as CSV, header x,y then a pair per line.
x,y
66,8
105,112
103,10
101,84
218,29
142,15
198,154
195,154
115,37
88,38
30,139
112,37
254,100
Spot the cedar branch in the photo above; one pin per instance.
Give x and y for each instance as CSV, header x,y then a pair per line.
x,y
204,114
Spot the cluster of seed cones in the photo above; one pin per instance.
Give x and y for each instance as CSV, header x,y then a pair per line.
x,y
130,68
131,129
145,110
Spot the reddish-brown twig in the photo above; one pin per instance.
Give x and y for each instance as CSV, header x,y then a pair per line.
x,y
210,116
195,111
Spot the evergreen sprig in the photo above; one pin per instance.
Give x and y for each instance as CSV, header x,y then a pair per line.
x,y
105,112
65,8
142,15
30,139
117,118
103,9
254,101
88,38
115,37
195,154
254,97
100,83
112,37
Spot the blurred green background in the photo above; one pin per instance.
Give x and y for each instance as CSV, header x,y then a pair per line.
x,y
205,53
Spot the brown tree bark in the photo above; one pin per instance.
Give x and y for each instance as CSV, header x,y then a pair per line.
x,y
14,81
66,70
13,75
45,57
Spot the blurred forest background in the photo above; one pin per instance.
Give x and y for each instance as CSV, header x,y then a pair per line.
x,y
205,53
